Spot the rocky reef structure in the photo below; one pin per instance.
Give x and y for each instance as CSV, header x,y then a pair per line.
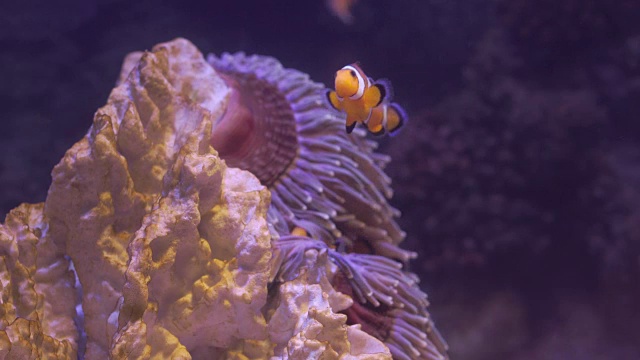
x,y
167,230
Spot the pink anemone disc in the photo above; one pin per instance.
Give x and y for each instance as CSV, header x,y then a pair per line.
x,y
279,127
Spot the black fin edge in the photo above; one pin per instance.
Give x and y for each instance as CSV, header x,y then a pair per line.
x,y
402,114
328,97
350,128
388,89
383,93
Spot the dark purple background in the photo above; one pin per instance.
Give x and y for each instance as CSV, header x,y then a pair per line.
x,y
518,175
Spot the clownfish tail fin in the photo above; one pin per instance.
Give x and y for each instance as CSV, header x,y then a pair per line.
x,y
396,118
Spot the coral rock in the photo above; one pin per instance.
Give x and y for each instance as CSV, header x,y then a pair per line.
x,y
171,246
306,323
38,299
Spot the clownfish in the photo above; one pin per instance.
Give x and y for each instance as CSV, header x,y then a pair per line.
x,y
298,231
342,9
365,101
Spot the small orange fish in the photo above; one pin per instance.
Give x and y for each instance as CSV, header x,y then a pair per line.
x,y
342,9
298,231
365,101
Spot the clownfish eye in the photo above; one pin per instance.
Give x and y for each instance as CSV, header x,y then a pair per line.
x,y
353,73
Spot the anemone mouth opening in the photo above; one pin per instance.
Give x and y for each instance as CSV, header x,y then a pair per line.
x,y
408,334
372,319
258,131
232,134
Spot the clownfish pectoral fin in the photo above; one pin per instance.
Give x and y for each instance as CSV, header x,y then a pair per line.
x,y
396,118
388,89
332,97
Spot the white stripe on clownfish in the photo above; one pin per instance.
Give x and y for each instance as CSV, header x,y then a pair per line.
x,y
366,121
384,116
361,83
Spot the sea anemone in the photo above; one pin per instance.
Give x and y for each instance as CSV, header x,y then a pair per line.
x,y
390,301
279,127
388,304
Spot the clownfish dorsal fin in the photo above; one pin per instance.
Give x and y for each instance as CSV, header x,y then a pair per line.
x,y
356,65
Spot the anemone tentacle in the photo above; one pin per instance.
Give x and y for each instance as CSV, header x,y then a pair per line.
x,y
323,180
390,305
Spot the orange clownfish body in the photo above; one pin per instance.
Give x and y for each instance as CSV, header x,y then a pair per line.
x,y
365,101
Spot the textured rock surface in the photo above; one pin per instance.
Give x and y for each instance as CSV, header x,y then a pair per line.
x,y
126,202
304,323
171,247
37,304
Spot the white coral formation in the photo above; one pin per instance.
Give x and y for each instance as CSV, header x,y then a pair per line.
x,y
304,325
37,303
171,246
